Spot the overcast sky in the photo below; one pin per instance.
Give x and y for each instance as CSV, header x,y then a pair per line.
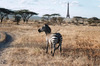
x,y
85,8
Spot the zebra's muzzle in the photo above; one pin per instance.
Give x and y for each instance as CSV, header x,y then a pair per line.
x,y
39,30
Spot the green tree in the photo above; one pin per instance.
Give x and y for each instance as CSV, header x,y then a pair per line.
x,y
4,12
25,14
60,19
77,19
47,16
55,17
84,20
17,19
43,18
93,20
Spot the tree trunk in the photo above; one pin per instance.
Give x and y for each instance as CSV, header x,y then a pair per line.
x,y
27,19
1,19
96,23
83,23
17,22
24,20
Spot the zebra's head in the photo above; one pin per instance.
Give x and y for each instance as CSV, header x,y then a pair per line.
x,y
45,29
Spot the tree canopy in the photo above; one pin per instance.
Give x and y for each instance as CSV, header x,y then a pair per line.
x,y
55,14
46,15
7,11
4,12
25,11
25,14
93,20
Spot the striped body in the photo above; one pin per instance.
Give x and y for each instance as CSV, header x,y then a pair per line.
x,y
52,38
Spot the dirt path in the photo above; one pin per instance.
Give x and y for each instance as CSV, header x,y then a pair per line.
x,y
7,41
4,49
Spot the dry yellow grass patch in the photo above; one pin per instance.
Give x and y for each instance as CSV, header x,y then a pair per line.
x,y
81,46
2,36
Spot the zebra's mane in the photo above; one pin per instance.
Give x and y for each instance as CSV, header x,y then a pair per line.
x,y
48,29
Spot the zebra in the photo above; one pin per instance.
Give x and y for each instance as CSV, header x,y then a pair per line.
x,y
51,38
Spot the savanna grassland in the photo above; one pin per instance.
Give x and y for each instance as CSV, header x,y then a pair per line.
x,y
26,47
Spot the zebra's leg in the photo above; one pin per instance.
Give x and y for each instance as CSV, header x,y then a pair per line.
x,y
47,46
53,49
57,47
60,44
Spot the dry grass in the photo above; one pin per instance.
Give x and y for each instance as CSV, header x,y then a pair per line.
x,y
81,46
2,37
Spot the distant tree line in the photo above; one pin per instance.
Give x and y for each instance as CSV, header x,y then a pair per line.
x,y
76,20
54,18
94,21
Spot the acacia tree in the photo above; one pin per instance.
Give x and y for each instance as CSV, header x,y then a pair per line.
x,y
17,19
4,12
43,18
84,20
93,20
77,18
60,19
55,17
25,14
47,16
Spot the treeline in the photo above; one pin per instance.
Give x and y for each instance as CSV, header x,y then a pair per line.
x,y
94,21
76,20
55,18
52,18
26,14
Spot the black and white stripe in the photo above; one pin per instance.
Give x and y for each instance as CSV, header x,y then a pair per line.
x,y
51,38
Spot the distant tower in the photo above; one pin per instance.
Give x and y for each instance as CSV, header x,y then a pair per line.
x,y
68,15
